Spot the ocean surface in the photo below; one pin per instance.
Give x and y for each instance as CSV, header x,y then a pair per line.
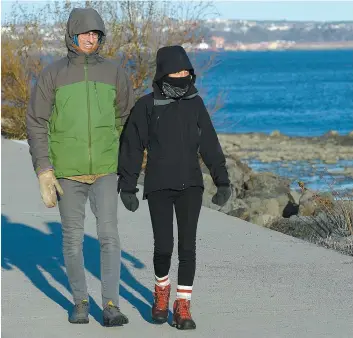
x,y
299,93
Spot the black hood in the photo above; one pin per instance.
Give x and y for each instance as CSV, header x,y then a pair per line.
x,y
82,20
172,59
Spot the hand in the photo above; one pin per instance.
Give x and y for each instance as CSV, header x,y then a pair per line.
x,y
222,195
49,186
129,200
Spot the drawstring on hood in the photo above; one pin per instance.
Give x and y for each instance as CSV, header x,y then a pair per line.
x,y
75,39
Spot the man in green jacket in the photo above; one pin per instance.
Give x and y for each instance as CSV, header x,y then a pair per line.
x,y
76,113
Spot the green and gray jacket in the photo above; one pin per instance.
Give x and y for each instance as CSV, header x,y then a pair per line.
x,y
78,108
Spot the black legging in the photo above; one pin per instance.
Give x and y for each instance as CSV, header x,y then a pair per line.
x,y
187,205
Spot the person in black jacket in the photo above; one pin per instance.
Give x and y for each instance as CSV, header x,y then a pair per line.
x,y
172,123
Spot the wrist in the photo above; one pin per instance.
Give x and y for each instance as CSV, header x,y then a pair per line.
x,y
223,185
40,171
129,191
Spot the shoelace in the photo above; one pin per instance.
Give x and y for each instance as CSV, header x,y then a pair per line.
x,y
113,307
161,299
81,306
183,309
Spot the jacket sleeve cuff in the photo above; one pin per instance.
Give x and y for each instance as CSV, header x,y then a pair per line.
x,y
40,170
123,186
223,185
130,191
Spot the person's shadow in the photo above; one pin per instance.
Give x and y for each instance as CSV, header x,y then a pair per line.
x,y
31,250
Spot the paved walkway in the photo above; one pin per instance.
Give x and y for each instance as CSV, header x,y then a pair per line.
x,y
250,281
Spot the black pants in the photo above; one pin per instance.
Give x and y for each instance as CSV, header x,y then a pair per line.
x,y
187,204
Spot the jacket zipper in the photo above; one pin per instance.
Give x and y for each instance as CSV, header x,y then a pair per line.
x,y
182,140
89,118
157,121
95,90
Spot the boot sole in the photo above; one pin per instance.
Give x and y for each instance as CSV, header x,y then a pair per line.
x,y
115,322
186,327
80,321
159,320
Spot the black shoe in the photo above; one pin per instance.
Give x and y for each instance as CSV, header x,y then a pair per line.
x,y
112,316
80,312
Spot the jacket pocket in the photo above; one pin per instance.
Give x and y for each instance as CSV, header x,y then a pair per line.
x,y
103,101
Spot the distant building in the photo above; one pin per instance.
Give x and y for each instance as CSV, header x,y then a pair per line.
x,y
203,45
5,29
274,27
218,42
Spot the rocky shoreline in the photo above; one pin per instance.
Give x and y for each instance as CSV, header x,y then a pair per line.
x,y
325,162
276,147
269,200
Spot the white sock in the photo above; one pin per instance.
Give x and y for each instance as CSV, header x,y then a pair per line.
x,y
184,292
162,281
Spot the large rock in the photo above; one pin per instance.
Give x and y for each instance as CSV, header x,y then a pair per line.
x,y
238,208
311,203
264,220
234,207
267,185
256,197
210,190
273,196
307,205
264,206
239,175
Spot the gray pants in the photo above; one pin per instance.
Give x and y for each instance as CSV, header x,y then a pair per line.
x,y
103,198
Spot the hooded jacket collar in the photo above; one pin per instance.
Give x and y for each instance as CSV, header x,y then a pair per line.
x,y
161,100
172,59
82,20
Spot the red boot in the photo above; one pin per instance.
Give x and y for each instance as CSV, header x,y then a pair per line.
x,y
160,306
181,315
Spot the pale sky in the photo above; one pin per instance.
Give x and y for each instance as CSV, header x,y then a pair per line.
x,y
259,10
288,10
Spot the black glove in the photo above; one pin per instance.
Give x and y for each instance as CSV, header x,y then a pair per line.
x,y
222,195
129,200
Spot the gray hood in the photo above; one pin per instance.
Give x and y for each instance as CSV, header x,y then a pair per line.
x,y
82,20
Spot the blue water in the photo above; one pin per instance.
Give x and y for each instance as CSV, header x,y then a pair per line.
x,y
302,93
299,93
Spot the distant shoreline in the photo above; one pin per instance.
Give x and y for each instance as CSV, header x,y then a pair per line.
x,y
276,133
342,46
282,47
322,46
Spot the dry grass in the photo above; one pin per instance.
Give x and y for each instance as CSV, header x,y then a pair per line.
x,y
343,245
329,224
19,64
333,211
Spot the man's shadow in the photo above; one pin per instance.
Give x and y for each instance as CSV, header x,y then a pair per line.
x,y
33,251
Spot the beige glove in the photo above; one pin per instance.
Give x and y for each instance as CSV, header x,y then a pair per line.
x,y
49,185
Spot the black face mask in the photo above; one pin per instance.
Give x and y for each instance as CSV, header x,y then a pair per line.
x,y
180,82
176,87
